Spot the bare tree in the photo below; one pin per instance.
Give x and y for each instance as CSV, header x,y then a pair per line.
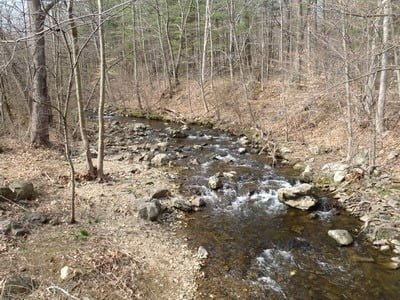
x,y
100,154
41,112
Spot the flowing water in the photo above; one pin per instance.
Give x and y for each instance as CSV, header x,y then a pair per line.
x,y
258,247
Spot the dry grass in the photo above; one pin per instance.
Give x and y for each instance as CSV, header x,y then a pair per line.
x,y
112,253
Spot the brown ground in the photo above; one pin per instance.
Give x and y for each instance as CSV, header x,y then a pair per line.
x,y
112,253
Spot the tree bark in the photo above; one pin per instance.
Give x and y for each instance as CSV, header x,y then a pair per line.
x,y
100,154
78,90
380,109
41,110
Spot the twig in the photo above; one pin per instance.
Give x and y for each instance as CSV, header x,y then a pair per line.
x,y
54,287
12,202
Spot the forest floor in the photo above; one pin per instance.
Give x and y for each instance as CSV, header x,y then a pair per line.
x,y
110,252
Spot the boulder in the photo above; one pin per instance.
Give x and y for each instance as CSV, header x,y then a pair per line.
x,y
299,167
151,211
303,203
161,193
215,182
178,133
160,159
183,205
360,159
298,196
22,190
295,192
36,218
341,236
331,169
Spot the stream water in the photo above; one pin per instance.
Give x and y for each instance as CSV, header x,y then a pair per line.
x,y
258,247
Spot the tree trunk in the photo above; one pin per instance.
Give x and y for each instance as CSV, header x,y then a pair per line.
x,y
349,116
100,154
380,109
78,90
41,110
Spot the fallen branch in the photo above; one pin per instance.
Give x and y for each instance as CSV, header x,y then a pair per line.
x,y
13,203
54,287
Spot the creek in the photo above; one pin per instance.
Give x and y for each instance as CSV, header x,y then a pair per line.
x,y
258,247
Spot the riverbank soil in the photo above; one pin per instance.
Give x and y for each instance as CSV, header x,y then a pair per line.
x,y
109,253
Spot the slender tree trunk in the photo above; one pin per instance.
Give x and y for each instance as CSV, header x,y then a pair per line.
x,y
349,116
204,55
100,154
135,58
78,90
380,109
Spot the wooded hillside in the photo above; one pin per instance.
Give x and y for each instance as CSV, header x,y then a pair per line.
x,y
217,58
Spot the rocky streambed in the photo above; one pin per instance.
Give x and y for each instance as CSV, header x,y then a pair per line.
x,y
259,232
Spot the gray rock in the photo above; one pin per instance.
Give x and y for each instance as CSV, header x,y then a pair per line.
x,y
202,253
215,182
285,150
17,285
341,236
307,175
393,155
18,230
244,141
331,168
36,218
7,193
183,205
162,146
22,190
242,150
195,162
303,203
66,272
139,127
160,159
339,176
360,159
314,149
299,167
161,193
296,191
198,202
5,226
177,133
151,211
